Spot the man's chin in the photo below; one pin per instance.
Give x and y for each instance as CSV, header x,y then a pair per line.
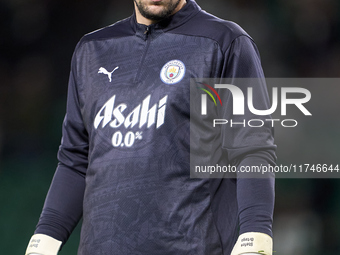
x,y
155,14
156,10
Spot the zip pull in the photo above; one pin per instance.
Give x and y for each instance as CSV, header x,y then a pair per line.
x,y
146,30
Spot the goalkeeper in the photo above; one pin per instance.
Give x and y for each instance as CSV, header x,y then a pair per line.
x,y
124,157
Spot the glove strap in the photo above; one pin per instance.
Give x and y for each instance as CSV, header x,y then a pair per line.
x,y
253,242
43,244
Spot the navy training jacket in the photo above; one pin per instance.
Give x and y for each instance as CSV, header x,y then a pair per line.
x,y
125,152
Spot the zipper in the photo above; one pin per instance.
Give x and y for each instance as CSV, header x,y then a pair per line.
x,y
146,33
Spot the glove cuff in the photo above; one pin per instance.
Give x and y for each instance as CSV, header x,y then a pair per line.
x,y
253,242
43,244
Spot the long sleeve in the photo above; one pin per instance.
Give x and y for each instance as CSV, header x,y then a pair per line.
x,y
64,202
246,145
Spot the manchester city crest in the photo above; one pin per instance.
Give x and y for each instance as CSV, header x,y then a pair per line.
x,y
172,72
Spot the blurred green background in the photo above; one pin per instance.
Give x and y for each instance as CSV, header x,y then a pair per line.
x,y
296,38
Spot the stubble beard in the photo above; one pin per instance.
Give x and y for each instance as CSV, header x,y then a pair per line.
x,y
166,12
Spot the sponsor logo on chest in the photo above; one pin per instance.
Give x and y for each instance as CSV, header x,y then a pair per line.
x,y
116,116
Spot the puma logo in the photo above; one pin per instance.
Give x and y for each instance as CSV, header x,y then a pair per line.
x,y
109,74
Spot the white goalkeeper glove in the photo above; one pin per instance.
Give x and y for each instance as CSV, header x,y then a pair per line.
x,y
253,243
41,244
